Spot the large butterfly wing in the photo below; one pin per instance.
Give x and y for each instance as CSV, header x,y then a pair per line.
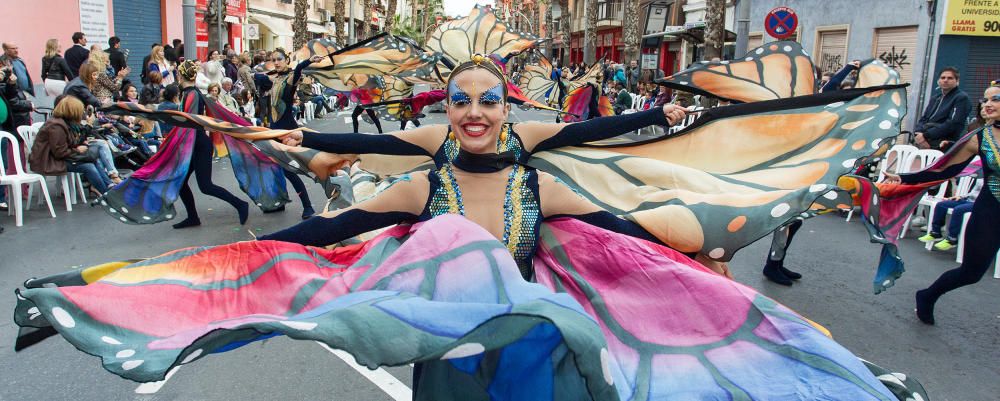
x,y
757,179
482,32
775,70
536,82
391,102
876,73
594,76
381,55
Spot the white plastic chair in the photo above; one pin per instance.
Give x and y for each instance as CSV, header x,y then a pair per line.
x,y
70,183
917,161
894,158
961,247
309,111
19,178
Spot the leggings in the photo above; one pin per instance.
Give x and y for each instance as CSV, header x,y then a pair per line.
x,y
778,251
300,188
981,245
402,124
201,164
371,113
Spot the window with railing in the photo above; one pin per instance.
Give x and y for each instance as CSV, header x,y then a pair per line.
x,y
610,9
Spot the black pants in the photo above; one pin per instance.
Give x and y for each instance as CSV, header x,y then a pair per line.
x,y
778,251
201,165
299,186
982,240
402,124
371,113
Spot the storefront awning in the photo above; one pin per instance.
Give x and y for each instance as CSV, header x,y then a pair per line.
x,y
277,26
694,35
316,28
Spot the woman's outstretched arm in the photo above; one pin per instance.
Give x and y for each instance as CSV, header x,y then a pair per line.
x,y
538,137
423,141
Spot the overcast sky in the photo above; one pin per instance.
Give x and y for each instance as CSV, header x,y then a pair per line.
x,y
455,8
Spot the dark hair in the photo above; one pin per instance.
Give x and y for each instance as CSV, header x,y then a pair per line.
x,y
77,36
154,45
123,96
112,41
282,51
171,92
257,59
953,70
209,56
177,42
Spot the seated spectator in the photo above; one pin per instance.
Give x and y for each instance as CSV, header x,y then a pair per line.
x,y
959,205
171,101
57,149
946,114
152,92
225,98
246,105
129,94
623,101
81,86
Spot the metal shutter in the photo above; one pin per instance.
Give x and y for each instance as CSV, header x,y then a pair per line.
x,y
897,47
982,66
137,24
832,50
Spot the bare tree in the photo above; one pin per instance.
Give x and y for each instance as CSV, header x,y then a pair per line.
x,y
590,32
299,31
715,27
630,30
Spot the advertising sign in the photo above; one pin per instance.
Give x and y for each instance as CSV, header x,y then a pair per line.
x,y
972,18
94,21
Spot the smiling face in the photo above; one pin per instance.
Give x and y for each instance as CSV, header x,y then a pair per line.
x,y
477,109
991,105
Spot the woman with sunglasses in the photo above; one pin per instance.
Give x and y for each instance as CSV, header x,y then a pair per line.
x,y
985,217
282,83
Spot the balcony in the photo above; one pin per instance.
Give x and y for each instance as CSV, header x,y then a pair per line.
x,y
610,13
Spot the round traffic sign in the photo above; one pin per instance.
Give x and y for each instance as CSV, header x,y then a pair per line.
x,y
781,22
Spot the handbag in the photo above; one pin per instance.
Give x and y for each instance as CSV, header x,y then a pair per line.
x,y
90,156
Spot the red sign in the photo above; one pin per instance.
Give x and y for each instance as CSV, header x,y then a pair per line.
x,y
781,23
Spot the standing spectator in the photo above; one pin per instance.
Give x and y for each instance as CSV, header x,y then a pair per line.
x,y
634,72
12,59
115,55
18,107
943,121
145,64
245,75
55,70
78,54
178,52
160,64
230,64
151,94
80,87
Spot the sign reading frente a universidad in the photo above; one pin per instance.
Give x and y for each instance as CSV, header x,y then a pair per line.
x,y
781,22
972,18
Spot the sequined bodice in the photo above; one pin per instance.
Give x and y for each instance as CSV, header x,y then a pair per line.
x,y
989,151
522,211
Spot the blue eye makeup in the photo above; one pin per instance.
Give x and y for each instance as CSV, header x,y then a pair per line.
x,y
492,95
457,96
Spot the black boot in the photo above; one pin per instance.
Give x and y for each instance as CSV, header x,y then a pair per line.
x,y
772,271
790,274
925,307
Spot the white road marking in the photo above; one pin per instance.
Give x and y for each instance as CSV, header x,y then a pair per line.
x,y
385,381
153,387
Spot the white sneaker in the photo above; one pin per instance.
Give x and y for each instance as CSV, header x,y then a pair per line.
x,y
918,221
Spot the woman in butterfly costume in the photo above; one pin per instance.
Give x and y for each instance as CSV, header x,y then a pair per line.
x,y
446,290
147,196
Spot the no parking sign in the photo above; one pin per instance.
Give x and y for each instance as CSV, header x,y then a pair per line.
x,y
781,22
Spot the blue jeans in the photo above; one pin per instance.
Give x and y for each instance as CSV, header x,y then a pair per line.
x,y
105,163
959,209
96,179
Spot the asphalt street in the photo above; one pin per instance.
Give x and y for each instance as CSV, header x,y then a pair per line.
x,y
955,360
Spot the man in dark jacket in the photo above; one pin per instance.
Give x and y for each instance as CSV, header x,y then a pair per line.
x,y
115,55
943,121
78,54
18,106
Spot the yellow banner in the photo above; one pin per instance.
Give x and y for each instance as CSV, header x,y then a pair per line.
x,y
972,18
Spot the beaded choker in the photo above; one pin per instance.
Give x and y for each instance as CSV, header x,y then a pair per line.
x,y
484,163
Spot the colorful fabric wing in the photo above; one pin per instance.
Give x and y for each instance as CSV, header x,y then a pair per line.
x,y
536,82
876,73
738,172
773,71
482,32
381,55
593,76
707,337
445,294
389,101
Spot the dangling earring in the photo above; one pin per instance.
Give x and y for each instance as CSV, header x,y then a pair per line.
x,y
503,135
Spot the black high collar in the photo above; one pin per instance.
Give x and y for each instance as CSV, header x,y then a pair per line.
x,y
485,162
